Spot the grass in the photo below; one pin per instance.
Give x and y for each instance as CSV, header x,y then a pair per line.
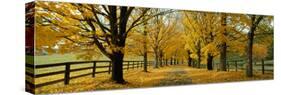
x,y
57,58
164,76
200,76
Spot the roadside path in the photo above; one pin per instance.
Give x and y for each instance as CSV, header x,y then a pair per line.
x,y
177,76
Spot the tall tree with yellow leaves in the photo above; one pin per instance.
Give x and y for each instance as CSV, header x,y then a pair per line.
x,y
101,26
163,30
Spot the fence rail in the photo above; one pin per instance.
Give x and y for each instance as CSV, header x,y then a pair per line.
x,y
67,70
231,65
240,65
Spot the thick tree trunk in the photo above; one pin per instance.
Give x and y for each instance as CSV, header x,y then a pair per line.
x,y
145,50
117,67
222,66
188,58
223,46
156,62
160,58
189,62
118,40
199,54
262,66
249,65
145,62
210,62
175,61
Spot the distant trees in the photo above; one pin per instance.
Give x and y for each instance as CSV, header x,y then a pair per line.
x,y
201,33
161,36
212,34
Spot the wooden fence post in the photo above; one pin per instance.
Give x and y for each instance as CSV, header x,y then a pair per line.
x,y
109,67
138,64
128,66
67,74
236,66
262,66
133,64
94,69
141,64
228,66
171,61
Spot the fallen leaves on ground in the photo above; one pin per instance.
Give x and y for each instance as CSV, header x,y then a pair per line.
x,y
163,76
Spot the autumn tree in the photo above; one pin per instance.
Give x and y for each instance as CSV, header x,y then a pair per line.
x,y
201,30
255,20
246,27
101,26
193,32
163,30
223,45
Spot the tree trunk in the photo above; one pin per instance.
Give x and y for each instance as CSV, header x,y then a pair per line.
x,y
175,61
171,61
145,49
156,59
189,62
145,61
262,66
199,54
117,67
249,65
223,57
210,62
188,58
160,58
223,46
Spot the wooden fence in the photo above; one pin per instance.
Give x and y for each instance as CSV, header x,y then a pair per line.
x,y
67,70
231,65
236,65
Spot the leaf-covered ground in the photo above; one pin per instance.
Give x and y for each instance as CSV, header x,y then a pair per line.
x,y
164,76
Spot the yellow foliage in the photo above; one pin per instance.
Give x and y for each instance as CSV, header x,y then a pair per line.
x,y
259,51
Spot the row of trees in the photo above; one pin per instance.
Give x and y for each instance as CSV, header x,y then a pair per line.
x,y
217,34
94,30
154,34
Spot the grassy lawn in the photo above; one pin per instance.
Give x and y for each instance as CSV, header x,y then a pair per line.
x,y
164,76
